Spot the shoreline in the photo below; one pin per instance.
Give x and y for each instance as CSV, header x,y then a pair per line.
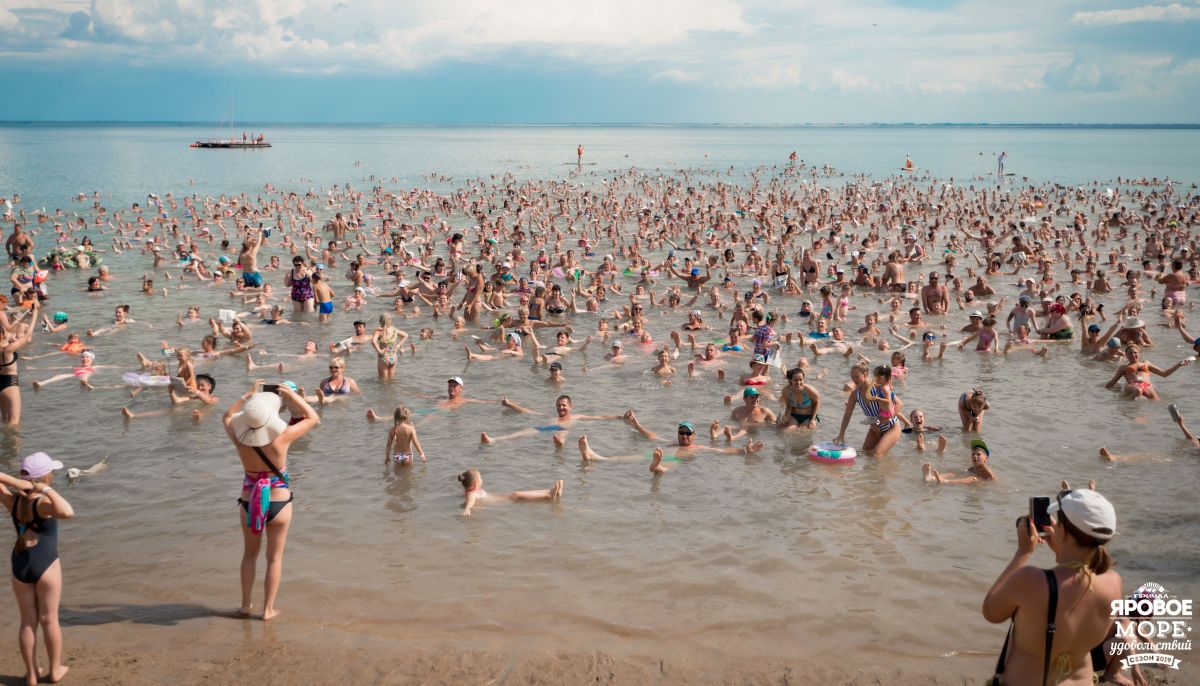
x,y
223,649
227,650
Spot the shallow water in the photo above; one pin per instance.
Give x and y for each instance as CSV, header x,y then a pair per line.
x,y
765,555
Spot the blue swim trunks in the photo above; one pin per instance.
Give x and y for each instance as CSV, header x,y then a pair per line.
x,y
325,308
551,427
252,279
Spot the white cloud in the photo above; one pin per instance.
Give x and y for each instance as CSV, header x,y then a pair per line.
x,y
134,21
1174,12
8,20
821,47
1189,68
850,83
677,75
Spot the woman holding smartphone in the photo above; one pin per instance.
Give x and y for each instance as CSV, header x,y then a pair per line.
x,y
262,439
1075,595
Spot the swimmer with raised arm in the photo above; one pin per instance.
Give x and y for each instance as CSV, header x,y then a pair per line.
x,y
1137,374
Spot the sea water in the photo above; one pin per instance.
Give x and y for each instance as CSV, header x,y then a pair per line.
x,y
770,555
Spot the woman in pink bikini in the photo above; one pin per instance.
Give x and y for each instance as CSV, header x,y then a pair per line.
x,y
262,439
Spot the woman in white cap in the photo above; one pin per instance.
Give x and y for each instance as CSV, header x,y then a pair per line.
x,y
262,438
1133,330
35,508
1075,596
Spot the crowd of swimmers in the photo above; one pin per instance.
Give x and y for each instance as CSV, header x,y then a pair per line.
x,y
743,285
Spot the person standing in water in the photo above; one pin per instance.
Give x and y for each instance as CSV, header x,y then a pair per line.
x,y
1000,162
579,155
262,439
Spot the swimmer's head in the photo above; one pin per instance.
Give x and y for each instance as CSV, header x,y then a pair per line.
x,y
1093,328
60,317
402,415
929,336
686,433
562,405
555,367
470,479
205,383
751,395
916,417
883,373
87,356
979,451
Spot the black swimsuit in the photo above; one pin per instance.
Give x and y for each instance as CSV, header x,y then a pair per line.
x,y
9,380
30,564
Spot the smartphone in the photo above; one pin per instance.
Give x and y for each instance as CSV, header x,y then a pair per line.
x,y
270,388
1038,515
168,352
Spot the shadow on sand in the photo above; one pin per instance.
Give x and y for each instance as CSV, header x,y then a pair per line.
x,y
165,614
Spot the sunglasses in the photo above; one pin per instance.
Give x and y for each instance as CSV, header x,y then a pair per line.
x,y
686,433
334,367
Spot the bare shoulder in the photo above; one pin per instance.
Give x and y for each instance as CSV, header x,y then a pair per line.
x,y
1108,584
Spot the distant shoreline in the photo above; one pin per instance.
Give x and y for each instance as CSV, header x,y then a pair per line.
x,y
616,125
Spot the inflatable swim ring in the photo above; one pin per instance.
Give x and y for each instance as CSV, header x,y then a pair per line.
x,y
145,380
831,453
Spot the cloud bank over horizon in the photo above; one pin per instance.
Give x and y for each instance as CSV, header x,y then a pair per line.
x,y
728,61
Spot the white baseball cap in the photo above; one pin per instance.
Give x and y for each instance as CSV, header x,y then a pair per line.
x,y
456,379
38,465
1087,511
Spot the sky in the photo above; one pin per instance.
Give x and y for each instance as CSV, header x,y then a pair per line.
x,y
609,61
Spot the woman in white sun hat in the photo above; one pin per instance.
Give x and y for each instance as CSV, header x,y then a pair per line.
x,y
35,508
262,439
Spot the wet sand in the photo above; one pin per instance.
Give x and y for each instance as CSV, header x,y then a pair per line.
x,y
223,650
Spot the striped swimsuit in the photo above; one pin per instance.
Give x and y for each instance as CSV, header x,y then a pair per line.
x,y
872,409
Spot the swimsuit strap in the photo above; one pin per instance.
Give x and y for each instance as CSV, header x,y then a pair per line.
x,y
1051,613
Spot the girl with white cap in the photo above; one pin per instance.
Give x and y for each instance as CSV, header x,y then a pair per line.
x,y
262,439
35,508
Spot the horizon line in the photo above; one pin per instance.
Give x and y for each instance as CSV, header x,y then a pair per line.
x,y
899,124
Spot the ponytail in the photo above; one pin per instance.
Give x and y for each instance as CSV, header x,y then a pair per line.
x,y
1101,561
